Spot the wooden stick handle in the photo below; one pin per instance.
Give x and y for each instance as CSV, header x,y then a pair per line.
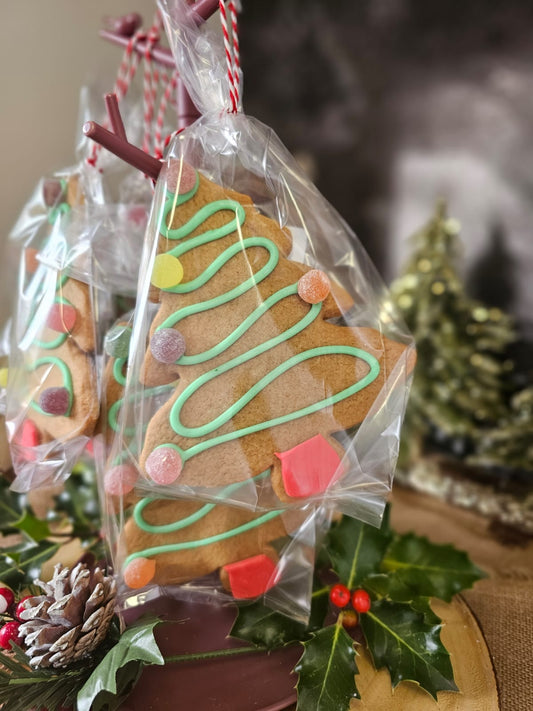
x,y
113,114
202,9
122,149
161,55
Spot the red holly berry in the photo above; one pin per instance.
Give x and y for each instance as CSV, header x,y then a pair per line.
x,y
339,595
21,606
9,632
349,619
6,599
361,600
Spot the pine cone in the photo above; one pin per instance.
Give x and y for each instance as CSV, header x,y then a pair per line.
x,y
71,619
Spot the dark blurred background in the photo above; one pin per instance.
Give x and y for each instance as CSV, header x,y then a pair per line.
x,y
388,103
391,104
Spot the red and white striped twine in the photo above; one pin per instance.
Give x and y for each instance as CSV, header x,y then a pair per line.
x,y
236,48
170,88
154,79
231,50
126,72
150,84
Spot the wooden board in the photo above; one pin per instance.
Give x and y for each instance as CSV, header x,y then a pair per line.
x,y
471,664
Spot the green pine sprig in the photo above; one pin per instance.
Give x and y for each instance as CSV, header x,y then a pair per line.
x,y
99,682
22,688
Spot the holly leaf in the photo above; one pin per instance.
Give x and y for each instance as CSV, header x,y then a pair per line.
x,y
417,567
21,564
356,549
264,627
326,671
79,502
423,605
10,507
35,528
377,585
136,645
408,645
126,678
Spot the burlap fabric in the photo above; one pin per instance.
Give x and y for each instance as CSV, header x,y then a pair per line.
x,y
502,603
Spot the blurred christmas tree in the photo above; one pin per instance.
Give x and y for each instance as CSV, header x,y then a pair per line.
x,y
510,444
459,388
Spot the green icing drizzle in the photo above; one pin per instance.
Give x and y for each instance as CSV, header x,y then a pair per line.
x,y
67,381
255,390
62,337
112,416
189,520
118,371
62,209
189,545
184,287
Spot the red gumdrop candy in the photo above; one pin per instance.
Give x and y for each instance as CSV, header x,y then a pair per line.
x,y
251,577
310,467
339,595
9,633
6,599
167,345
314,286
61,318
29,435
138,215
187,178
120,480
55,401
361,600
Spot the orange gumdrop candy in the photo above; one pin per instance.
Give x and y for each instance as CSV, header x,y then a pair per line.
x,y
314,286
139,572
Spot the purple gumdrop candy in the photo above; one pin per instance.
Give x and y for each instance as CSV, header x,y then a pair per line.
x,y
167,345
55,401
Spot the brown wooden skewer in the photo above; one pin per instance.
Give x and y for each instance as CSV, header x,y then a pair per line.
x,y
159,54
200,10
122,149
113,113
116,141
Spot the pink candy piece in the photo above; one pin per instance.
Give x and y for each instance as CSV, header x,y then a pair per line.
x,y
167,345
28,435
187,179
164,465
61,318
309,468
120,480
251,577
138,215
314,286
55,401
